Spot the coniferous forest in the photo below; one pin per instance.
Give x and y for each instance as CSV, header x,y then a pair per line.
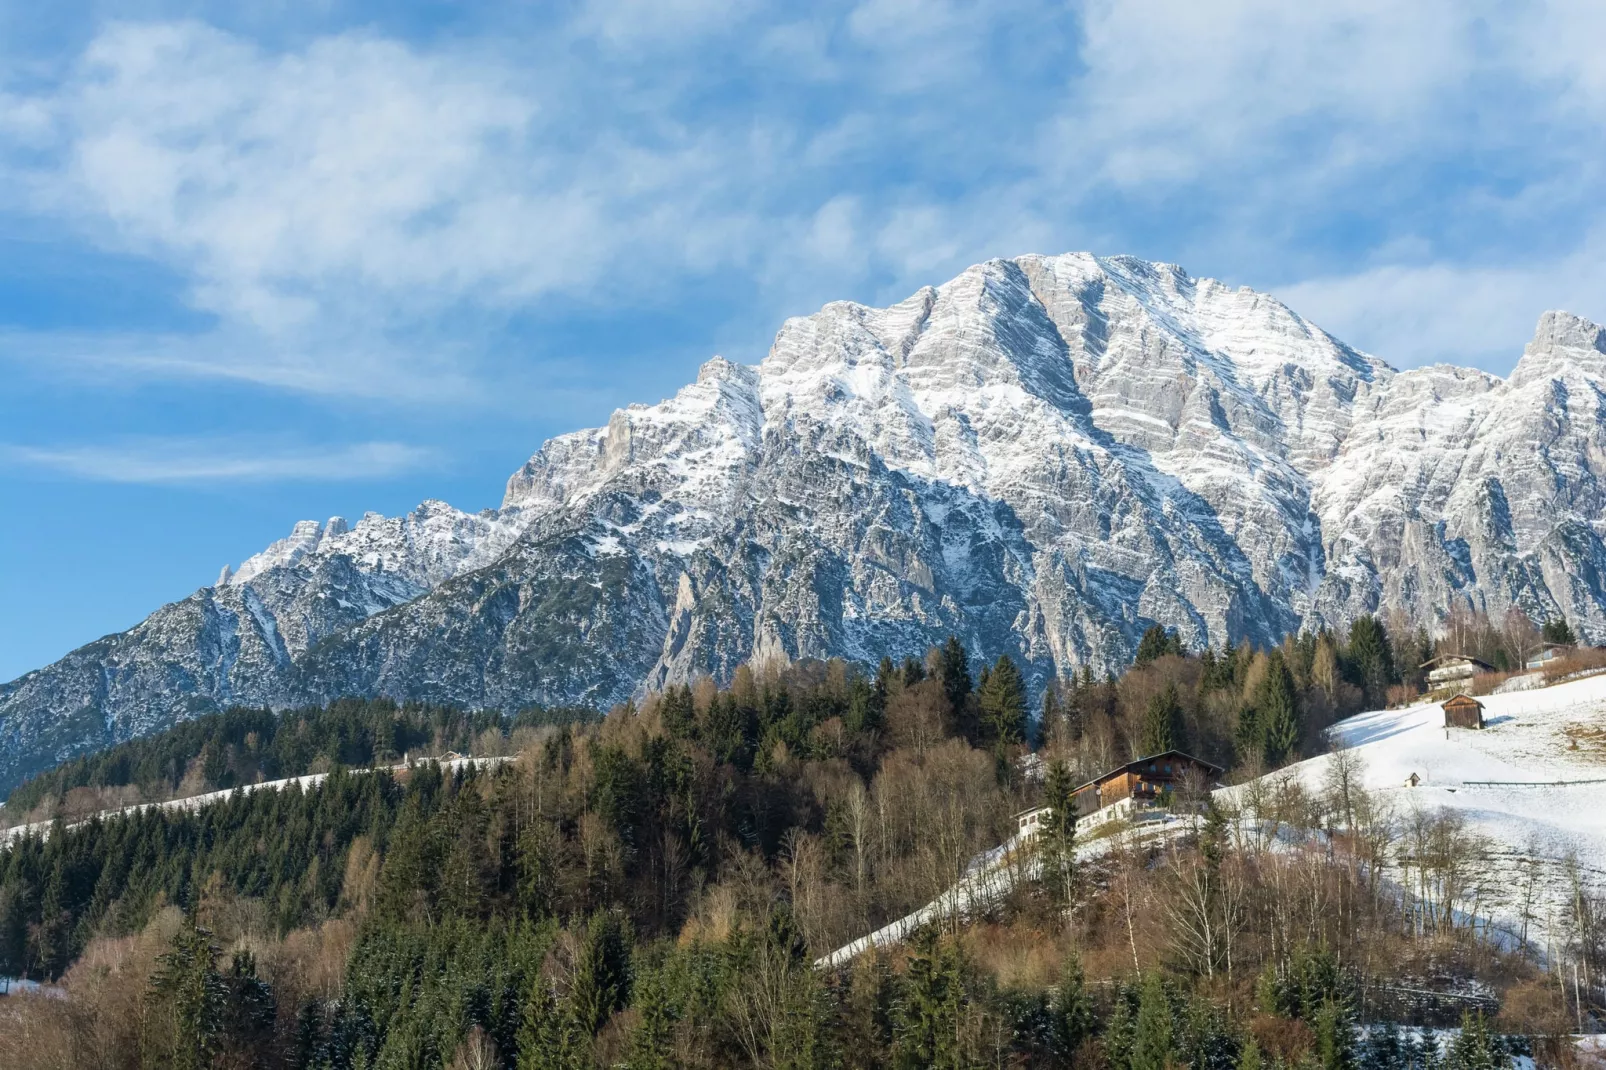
x,y
653,888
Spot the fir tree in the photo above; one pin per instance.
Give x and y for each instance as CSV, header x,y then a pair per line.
x,y
1162,723
1249,1055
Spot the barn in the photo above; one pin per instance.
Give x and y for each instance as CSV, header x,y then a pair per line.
x,y
1463,711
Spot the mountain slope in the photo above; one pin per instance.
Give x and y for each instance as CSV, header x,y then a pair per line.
x,y
1044,456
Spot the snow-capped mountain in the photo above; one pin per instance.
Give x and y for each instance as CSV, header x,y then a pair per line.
x,y
1044,456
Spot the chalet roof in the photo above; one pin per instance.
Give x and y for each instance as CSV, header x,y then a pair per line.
x,y
1443,658
1215,770
1460,700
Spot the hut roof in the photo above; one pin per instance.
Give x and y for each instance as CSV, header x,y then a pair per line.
x,y
1443,658
1212,769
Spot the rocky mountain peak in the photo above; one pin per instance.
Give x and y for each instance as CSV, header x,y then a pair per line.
x,y
1562,342
1044,455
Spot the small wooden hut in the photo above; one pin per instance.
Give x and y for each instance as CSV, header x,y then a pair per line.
x,y
1463,711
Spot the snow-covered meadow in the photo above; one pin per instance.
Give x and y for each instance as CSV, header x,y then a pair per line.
x,y
1531,783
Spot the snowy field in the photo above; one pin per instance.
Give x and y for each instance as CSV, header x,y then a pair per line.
x,y
1533,782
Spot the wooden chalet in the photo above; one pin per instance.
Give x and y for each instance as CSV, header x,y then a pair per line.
x,y
1453,671
1463,711
1144,780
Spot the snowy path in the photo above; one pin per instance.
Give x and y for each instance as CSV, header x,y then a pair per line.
x,y
989,877
196,802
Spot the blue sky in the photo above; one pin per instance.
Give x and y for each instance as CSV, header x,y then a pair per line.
x,y
262,261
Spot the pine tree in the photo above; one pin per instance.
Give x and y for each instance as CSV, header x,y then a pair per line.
x,y
1162,723
1249,1055
1003,703
1153,1041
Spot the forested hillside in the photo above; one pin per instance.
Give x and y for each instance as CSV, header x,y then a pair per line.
x,y
219,751
651,890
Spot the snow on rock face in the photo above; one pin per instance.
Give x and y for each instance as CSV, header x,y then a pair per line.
x,y
1043,456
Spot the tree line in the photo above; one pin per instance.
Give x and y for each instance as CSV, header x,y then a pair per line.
x,y
653,890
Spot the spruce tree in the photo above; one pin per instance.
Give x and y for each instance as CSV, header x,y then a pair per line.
x,y
1430,1055
956,685
1156,642
189,996
601,982
1056,839
1153,1039
1335,1037
1162,723
1476,1048
1558,631
1277,710
551,1036
1072,1009
1003,703
1372,658
928,1012
678,712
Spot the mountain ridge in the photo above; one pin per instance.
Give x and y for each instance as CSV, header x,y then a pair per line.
x,y
1044,455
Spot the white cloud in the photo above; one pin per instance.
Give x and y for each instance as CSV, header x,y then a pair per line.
x,y
357,212
1414,314
176,461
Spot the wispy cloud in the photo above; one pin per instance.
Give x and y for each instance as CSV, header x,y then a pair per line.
x,y
201,461
359,211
